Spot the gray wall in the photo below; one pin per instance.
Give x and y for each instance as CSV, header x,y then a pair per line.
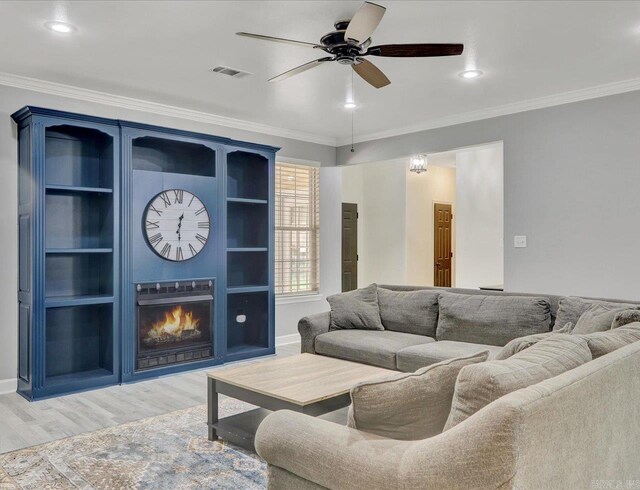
x,y
572,185
12,99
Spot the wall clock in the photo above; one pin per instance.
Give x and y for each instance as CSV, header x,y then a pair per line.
x,y
176,225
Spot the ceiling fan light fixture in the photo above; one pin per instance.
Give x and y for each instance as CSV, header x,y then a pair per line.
x,y
60,27
470,74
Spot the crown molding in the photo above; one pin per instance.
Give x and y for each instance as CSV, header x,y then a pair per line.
x,y
503,110
79,93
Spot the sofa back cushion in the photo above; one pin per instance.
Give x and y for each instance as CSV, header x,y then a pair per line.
x,y
599,317
571,308
413,312
479,385
602,343
493,320
625,317
522,343
355,310
408,406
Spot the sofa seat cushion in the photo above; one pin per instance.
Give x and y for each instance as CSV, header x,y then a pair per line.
x,y
409,311
408,406
493,320
378,348
415,357
479,385
522,343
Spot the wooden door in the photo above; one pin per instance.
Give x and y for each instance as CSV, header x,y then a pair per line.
x,y
442,253
349,246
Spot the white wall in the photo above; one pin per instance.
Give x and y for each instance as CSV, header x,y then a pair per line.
x,y
571,176
12,99
437,184
479,217
290,310
383,250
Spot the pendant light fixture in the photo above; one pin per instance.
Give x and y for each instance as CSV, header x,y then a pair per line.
x,y
418,164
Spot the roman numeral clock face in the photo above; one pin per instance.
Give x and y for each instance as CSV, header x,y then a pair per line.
x,y
176,225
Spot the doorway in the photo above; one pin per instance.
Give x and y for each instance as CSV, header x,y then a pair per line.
x,y
349,246
442,244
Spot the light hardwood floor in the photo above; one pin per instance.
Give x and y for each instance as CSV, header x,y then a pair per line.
x,y
24,424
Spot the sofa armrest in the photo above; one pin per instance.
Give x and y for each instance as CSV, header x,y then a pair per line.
x,y
480,452
329,454
310,327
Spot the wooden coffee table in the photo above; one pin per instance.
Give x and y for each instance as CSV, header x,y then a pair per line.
x,y
306,383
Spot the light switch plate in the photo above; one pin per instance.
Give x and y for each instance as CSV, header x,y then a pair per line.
x,y
520,241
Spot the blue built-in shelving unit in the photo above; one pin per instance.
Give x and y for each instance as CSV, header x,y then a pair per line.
x,y
68,253
83,185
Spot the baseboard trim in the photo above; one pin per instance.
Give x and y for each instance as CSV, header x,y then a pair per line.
x,y
8,386
294,338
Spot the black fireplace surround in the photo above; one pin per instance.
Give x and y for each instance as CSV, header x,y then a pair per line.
x,y
174,323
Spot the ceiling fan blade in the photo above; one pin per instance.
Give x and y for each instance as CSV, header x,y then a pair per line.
x,y
371,74
277,39
416,50
364,22
300,69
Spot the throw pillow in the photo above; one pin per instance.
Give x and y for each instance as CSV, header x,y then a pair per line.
x,y
602,343
408,406
492,320
625,317
598,318
413,312
356,309
571,307
522,343
479,385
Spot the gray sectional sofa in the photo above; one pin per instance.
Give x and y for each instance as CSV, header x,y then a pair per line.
x,y
552,411
442,329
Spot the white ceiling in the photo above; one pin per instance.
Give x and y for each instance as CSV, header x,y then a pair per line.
x,y
162,51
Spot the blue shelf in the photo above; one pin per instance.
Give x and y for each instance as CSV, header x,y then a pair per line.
x,y
246,351
247,201
79,250
60,301
63,379
247,289
73,188
248,249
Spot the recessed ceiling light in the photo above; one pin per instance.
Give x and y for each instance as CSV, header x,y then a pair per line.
x,y
349,105
61,27
470,74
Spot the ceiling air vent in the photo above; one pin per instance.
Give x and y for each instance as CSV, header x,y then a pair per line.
x,y
231,72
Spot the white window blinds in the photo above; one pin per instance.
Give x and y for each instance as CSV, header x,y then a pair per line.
x,y
297,229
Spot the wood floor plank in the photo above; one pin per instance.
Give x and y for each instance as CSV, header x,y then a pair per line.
x,y
24,424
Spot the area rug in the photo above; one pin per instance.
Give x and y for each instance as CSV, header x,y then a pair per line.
x,y
168,451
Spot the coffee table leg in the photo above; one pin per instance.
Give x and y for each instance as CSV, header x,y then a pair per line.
x,y
212,403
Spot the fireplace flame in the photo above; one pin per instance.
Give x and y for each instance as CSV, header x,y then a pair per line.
x,y
175,323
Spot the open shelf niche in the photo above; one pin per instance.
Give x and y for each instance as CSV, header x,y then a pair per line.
x,y
247,253
79,342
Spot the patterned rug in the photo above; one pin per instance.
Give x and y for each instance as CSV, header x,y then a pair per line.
x,y
169,451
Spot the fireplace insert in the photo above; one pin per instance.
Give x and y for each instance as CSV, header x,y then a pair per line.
x,y
174,323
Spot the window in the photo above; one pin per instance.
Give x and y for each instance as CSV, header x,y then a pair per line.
x,y
297,228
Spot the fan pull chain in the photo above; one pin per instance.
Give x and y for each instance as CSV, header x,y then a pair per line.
x,y
352,111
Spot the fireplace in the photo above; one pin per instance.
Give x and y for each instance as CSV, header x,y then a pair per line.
x,y
174,323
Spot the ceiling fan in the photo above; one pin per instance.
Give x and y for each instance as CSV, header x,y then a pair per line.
x,y
351,42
